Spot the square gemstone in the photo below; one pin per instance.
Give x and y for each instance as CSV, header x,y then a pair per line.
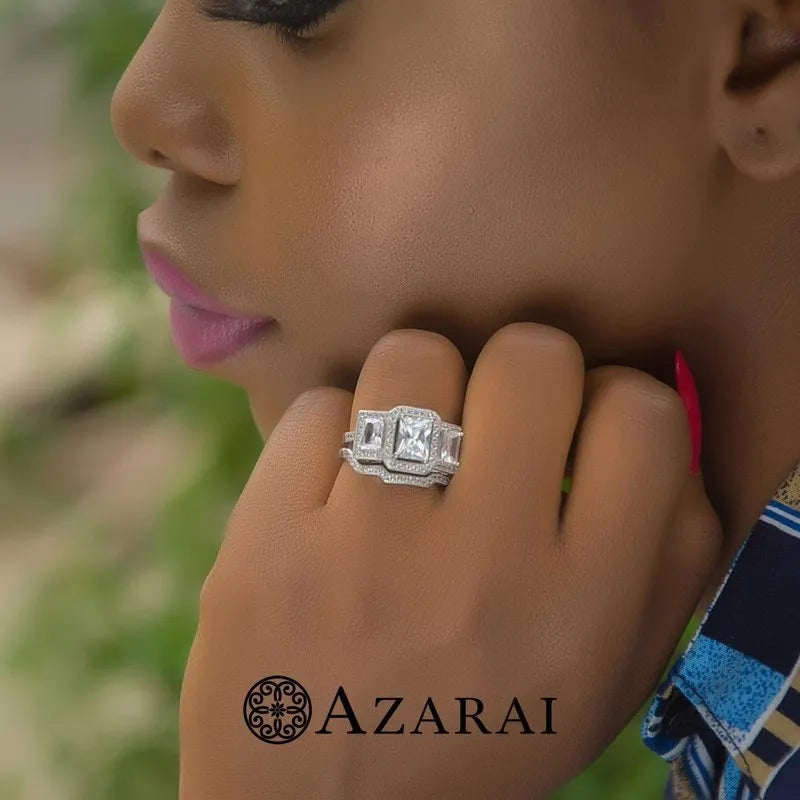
x,y
413,438
372,433
451,445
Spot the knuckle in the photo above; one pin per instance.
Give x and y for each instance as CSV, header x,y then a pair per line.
x,y
228,588
666,408
209,600
640,396
412,351
321,401
638,399
257,580
224,581
533,339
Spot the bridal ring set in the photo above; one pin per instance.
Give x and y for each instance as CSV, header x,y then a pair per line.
x,y
406,445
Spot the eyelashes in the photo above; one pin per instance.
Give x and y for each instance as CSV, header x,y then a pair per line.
x,y
291,19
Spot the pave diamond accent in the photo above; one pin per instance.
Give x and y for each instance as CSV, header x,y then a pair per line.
x,y
413,438
387,476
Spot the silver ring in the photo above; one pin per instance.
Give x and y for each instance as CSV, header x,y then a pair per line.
x,y
406,445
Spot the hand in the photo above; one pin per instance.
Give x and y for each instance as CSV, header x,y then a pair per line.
x,y
491,588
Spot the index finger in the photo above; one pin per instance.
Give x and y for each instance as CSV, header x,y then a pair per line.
x,y
300,460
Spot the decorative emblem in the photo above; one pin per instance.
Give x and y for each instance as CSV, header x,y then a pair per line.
x,y
277,709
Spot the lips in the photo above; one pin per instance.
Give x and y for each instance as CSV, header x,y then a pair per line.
x,y
203,329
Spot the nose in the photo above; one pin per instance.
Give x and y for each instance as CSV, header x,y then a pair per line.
x,y
164,112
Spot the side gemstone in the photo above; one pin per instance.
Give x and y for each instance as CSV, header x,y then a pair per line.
x,y
450,446
372,436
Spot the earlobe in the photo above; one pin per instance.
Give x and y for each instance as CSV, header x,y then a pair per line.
x,y
758,112
761,130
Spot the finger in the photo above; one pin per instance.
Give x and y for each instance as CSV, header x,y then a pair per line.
x,y
300,460
406,367
687,557
689,554
632,458
520,411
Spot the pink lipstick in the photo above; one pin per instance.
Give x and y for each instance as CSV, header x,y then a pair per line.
x,y
204,331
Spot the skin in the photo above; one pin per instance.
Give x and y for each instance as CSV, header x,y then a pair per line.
x,y
457,165
492,588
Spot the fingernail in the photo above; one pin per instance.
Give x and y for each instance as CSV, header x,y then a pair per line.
x,y
687,389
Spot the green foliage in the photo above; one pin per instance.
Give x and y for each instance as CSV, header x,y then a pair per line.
x,y
116,619
95,626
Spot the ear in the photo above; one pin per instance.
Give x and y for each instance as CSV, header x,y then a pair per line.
x,y
758,107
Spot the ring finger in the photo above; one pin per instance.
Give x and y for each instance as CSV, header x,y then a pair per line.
x,y
406,367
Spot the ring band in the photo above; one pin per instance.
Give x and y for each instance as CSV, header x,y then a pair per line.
x,y
406,445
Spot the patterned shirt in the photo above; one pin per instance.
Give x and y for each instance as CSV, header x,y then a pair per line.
x,y
727,717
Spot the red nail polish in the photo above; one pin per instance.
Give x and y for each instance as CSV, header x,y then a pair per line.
x,y
687,389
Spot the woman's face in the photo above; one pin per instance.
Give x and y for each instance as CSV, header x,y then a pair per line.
x,y
453,165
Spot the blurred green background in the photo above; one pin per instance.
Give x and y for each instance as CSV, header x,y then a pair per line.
x,y
119,465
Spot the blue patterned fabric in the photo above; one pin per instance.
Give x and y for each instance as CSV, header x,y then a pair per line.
x,y
727,717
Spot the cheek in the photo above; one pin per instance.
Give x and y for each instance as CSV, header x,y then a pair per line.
x,y
421,204
496,180
398,207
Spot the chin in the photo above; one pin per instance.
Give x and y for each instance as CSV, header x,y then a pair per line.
x,y
268,403
243,372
